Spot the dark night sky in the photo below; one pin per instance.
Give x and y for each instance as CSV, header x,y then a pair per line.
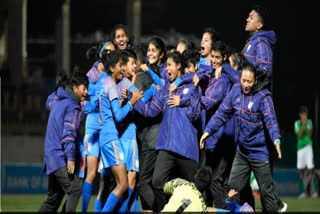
x,y
294,81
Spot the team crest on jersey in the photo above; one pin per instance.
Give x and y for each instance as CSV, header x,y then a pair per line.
x,y
238,100
185,91
248,48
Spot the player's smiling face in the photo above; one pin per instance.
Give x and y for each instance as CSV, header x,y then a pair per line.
x,y
121,39
217,59
81,91
153,55
130,68
117,71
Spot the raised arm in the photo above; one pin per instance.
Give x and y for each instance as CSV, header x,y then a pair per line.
x,y
119,112
152,108
110,94
203,75
91,105
156,79
148,94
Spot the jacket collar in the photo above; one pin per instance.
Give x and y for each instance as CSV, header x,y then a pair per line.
x,y
72,94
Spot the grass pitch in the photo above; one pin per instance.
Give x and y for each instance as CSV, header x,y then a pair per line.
x,y
19,203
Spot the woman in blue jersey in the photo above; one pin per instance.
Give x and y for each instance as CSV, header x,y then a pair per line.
x,y
127,134
91,108
111,149
254,114
127,128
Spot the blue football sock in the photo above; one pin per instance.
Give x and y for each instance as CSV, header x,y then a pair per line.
x,y
136,205
97,206
111,203
232,205
124,205
86,195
